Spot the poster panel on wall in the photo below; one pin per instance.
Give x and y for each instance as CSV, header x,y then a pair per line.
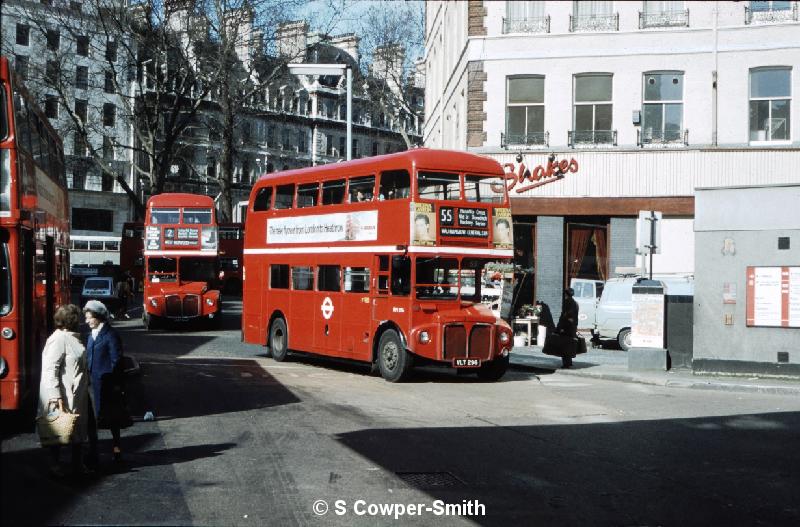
x,y
773,296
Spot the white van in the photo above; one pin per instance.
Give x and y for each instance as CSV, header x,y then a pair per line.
x,y
614,310
587,295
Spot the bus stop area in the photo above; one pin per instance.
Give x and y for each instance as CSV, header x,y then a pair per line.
x,y
612,365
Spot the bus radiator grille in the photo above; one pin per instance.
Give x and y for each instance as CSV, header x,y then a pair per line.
x,y
480,342
173,306
191,305
455,342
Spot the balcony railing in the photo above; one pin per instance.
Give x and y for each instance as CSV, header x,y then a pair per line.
x,y
532,139
594,22
766,15
591,137
664,19
527,25
662,137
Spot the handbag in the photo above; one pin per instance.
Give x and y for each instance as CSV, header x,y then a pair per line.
x,y
56,427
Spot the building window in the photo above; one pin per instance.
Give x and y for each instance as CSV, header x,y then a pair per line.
x,y
772,11
21,66
108,148
82,46
593,16
770,104
525,111
302,147
79,147
342,146
525,17
663,14
271,136
355,152
285,141
52,72
76,6
375,148
662,116
592,117
93,220
51,107
23,35
109,114
81,106
109,84
328,145
111,51
82,77
53,39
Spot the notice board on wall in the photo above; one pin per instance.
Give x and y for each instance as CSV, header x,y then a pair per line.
x,y
773,296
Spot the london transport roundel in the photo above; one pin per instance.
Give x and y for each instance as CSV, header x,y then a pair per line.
x,y
327,308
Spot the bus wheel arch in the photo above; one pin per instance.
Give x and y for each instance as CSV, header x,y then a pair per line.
x,y
277,337
393,357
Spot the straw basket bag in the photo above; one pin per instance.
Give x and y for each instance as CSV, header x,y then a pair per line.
x,y
56,427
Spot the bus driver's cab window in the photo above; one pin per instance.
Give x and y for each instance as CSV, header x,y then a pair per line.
x,y
401,275
395,184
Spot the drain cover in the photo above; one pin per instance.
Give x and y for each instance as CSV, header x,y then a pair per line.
x,y
423,480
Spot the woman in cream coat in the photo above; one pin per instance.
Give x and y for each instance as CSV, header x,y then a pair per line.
x,y
65,383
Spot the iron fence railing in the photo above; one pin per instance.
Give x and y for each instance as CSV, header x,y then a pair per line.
x,y
527,25
767,14
663,19
591,137
594,22
662,137
531,139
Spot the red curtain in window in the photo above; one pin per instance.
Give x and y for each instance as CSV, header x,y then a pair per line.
x,y
599,238
578,242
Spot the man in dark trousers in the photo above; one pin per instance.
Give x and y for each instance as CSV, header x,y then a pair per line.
x,y
568,324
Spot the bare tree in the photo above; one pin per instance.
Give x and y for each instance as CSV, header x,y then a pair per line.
x,y
392,39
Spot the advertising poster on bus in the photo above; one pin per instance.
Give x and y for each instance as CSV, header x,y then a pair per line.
x,y
325,228
424,222
501,222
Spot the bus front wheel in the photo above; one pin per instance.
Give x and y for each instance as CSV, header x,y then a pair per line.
x,y
150,321
278,340
493,371
393,359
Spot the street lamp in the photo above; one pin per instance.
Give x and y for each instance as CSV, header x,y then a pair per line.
x,y
336,70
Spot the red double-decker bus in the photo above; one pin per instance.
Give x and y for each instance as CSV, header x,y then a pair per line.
x,y
379,260
34,239
131,253
181,260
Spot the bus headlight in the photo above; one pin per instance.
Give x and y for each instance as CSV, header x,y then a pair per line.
x,y
8,333
209,301
154,302
504,339
424,337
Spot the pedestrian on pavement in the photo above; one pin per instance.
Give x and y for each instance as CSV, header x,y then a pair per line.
x,y
64,384
106,380
123,294
568,325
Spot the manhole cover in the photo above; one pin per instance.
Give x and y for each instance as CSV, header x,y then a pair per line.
x,y
423,480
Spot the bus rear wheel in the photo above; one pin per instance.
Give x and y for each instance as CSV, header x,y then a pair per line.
x,y
278,340
393,359
494,370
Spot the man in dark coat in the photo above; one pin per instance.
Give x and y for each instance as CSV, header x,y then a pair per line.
x,y
568,323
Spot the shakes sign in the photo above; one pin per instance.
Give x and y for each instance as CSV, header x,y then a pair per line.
x,y
525,179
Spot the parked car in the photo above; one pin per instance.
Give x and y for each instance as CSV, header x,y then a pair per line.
x,y
613,312
99,288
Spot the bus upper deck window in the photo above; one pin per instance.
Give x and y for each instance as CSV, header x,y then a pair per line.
x,y
201,216
362,189
307,195
164,216
483,189
395,184
438,185
284,196
333,192
263,199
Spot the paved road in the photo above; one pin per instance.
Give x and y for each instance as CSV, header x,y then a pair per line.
x,y
242,440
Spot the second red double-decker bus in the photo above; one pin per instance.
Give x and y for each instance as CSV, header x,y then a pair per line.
x,y
181,260
379,260
34,239
131,253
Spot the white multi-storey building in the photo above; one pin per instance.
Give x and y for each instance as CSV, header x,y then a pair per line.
x,y
644,102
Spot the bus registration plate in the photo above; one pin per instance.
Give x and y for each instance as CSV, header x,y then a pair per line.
x,y
466,363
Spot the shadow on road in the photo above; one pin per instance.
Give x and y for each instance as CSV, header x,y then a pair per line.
x,y
733,470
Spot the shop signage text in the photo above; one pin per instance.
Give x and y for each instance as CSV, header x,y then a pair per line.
x,y
540,175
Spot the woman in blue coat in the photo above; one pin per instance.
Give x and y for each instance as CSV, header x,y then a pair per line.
x,y
106,391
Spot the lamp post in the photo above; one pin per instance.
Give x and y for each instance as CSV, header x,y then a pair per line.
x,y
332,69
